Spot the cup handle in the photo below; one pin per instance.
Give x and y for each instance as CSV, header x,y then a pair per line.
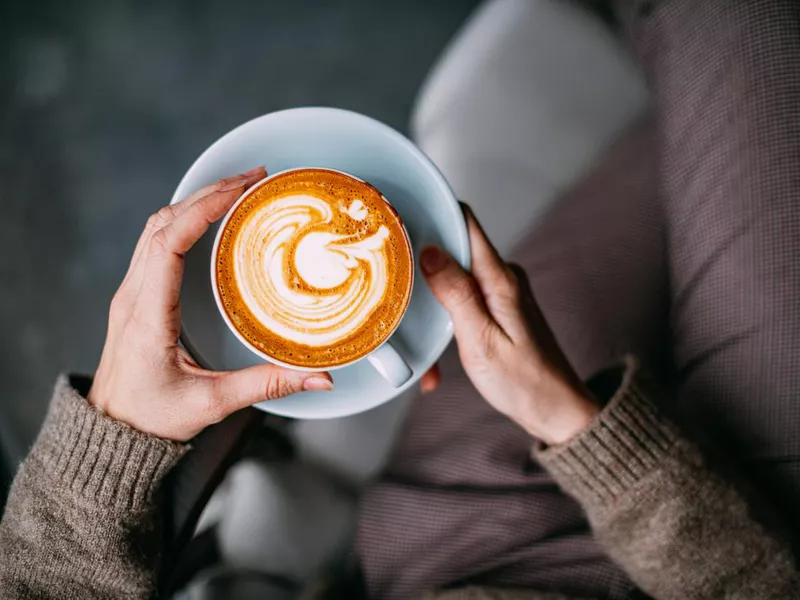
x,y
388,362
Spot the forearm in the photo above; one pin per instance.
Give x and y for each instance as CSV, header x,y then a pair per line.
x,y
678,529
81,519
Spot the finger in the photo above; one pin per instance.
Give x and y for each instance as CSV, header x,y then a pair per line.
x,y
488,268
237,389
168,213
430,380
457,291
502,287
249,178
179,236
168,246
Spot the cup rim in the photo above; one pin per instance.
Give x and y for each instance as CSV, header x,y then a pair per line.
x,y
224,313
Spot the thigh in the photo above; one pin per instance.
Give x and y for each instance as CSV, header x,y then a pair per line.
x,y
725,78
597,262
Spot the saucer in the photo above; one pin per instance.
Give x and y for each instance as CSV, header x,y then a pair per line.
x,y
349,142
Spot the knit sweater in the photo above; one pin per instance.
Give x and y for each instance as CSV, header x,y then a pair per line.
x,y
82,520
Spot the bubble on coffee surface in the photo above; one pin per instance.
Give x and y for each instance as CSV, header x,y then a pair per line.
x,y
323,270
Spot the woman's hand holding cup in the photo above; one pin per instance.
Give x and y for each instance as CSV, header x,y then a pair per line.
x,y
145,378
505,345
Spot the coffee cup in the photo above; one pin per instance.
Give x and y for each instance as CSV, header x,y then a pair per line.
x,y
252,283
372,151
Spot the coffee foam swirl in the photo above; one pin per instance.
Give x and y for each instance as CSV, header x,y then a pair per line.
x,y
314,268
302,279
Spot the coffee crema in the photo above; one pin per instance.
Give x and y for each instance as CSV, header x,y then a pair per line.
x,y
314,268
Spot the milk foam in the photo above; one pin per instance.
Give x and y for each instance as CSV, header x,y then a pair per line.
x,y
345,276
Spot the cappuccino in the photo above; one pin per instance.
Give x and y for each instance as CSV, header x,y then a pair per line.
x,y
314,268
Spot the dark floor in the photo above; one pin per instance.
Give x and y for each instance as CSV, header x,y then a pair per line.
x,y
103,106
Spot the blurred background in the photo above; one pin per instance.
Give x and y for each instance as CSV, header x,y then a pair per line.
x,y
105,104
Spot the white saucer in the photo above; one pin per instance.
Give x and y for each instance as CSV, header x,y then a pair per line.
x,y
337,139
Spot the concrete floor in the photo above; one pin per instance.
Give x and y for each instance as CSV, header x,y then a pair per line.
x,y
103,105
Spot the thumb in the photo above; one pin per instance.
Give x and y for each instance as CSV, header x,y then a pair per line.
x,y
457,291
239,389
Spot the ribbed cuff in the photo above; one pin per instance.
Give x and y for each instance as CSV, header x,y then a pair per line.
x,y
98,457
626,441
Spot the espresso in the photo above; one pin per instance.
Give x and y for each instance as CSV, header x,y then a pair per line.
x,y
314,268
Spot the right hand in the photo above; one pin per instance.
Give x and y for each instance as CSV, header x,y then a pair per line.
x,y
505,345
145,378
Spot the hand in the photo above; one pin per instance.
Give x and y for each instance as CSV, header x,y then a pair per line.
x,y
504,343
145,378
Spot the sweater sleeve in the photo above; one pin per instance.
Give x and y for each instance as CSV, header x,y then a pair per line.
x,y
81,519
674,525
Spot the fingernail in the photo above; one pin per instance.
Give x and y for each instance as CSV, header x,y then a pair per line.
x,y
426,386
433,260
317,384
233,185
254,171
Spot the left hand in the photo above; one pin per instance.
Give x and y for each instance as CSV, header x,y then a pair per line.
x,y
145,378
505,345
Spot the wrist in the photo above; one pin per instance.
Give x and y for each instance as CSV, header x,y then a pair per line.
x,y
117,466
97,396
557,415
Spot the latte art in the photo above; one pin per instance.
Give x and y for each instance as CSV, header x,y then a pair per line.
x,y
308,285
314,268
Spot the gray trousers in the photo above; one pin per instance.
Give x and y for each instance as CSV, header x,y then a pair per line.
x,y
682,245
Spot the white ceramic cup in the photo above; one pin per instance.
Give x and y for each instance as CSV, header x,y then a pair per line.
x,y
385,358
353,143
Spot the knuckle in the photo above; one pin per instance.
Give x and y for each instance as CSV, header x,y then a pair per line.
x,y
139,316
161,218
159,242
212,405
120,302
462,291
203,205
225,181
277,387
166,214
485,346
481,352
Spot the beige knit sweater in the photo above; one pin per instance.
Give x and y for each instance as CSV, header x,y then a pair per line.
x,y
81,520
